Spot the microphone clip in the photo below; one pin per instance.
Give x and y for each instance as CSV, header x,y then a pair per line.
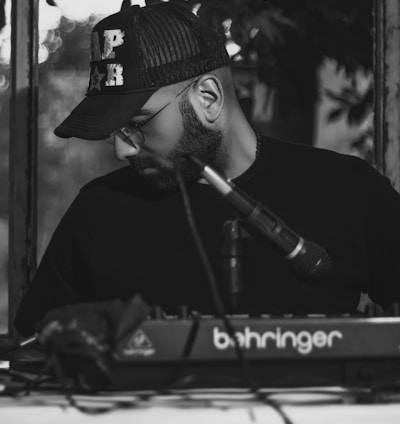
x,y
232,268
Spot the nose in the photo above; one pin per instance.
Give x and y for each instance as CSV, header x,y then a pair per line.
x,y
124,149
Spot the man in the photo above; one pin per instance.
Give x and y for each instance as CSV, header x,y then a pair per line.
x,y
161,88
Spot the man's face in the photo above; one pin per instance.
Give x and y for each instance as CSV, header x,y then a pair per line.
x,y
159,163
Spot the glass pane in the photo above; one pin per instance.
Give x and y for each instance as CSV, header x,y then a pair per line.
x,y
5,33
65,165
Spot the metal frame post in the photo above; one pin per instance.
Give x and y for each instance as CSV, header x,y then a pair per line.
x,y
387,89
23,150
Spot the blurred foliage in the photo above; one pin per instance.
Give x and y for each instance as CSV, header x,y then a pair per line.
x,y
284,32
69,46
286,40
65,165
351,102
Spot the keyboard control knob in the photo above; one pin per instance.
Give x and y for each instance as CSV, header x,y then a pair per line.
x,y
183,312
395,309
158,312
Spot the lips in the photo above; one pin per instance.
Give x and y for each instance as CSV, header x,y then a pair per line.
x,y
149,171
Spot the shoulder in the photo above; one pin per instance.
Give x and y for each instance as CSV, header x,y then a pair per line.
x,y
118,178
121,182
109,190
117,189
294,152
317,163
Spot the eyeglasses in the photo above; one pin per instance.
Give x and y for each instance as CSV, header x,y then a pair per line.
x,y
133,129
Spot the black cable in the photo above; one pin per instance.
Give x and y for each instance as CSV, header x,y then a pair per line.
x,y
211,280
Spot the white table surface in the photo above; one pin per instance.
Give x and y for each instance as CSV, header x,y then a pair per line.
x,y
194,408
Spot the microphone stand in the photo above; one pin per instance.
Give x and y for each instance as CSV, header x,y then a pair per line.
x,y
232,270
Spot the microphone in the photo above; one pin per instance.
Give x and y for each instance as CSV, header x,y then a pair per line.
x,y
306,258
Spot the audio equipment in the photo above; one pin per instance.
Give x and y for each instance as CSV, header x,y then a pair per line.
x,y
280,351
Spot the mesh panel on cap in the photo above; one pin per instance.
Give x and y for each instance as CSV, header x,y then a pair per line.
x,y
173,49
161,45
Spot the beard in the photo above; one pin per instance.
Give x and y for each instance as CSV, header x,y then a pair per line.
x,y
197,140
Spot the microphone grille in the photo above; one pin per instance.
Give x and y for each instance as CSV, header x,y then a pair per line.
x,y
312,262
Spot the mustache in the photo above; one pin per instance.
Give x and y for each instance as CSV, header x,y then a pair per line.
x,y
150,159
154,160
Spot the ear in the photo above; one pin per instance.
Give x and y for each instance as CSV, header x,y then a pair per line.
x,y
208,98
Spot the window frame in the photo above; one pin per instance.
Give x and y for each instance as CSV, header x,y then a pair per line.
x,y
386,94
23,142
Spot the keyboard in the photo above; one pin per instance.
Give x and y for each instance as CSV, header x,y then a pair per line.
x,y
279,351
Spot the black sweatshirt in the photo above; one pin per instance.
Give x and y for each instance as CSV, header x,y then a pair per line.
x,y
121,237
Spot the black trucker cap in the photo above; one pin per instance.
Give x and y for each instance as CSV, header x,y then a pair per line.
x,y
135,52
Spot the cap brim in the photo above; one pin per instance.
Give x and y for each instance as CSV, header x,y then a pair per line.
x,y
97,117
